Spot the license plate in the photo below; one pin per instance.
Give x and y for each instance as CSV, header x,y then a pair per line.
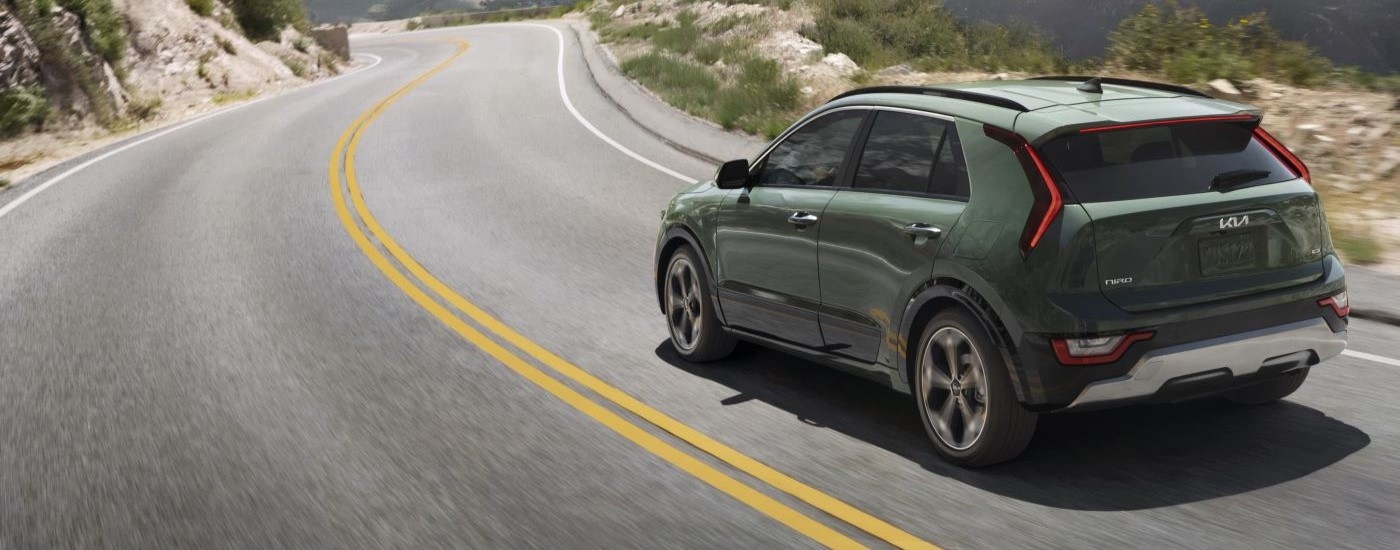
x,y
1227,255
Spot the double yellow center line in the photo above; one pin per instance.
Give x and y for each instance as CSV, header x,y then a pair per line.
x,y
408,274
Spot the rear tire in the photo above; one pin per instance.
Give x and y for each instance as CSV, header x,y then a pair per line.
x,y
1271,391
964,393
691,316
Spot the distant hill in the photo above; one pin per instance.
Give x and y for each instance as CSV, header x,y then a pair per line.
x,y
343,11
1349,32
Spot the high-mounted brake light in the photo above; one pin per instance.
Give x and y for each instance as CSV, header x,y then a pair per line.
x,y
1095,350
1167,122
1339,303
1294,163
1048,201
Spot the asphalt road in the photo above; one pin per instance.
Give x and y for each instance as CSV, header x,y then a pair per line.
x,y
204,346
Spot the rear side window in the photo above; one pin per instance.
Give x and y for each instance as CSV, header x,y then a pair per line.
x,y
1163,161
911,153
812,155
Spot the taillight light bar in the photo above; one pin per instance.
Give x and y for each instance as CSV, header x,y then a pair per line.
x,y
1048,201
1166,122
1095,350
1294,163
1340,303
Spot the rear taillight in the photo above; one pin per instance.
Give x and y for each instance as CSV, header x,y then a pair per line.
x,y
1339,303
1095,350
1294,163
1048,202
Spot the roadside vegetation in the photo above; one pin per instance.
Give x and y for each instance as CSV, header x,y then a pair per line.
x,y
711,71
926,35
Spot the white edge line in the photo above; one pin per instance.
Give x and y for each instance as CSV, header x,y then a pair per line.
x,y
12,205
1371,357
564,94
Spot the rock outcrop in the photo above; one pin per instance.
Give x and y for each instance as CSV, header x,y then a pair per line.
x,y
19,56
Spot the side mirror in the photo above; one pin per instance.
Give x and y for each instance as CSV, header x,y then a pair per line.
x,y
733,174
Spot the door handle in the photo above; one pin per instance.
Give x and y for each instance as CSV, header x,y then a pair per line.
x,y
923,230
802,217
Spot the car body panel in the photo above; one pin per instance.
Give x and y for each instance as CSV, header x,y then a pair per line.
x,y
767,267
874,282
870,265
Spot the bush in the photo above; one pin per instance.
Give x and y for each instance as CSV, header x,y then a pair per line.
x,y
102,26
21,108
144,107
204,8
1182,44
757,98
264,19
297,67
880,33
681,38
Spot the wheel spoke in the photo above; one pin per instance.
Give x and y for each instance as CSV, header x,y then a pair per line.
x,y
950,354
945,417
973,428
973,379
695,328
935,379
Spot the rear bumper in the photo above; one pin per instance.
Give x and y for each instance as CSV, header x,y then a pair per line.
x,y
1217,363
1182,350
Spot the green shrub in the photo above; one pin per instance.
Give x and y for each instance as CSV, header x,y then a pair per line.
x,y
1185,46
880,33
226,45
102,25
144,107
680,38
204,8
298,68
264,19
684,84
21,108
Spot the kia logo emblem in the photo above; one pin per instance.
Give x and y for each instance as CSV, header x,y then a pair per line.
x,y
1233,222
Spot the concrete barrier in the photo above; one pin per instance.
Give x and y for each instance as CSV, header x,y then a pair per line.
x,y
335,39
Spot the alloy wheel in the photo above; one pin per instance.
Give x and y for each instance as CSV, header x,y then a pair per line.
x,y
683,311
953,380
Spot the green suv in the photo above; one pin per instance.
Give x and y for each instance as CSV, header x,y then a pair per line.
x,y
1011,248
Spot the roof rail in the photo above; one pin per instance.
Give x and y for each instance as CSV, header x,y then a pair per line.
x,y
1183,90
950,93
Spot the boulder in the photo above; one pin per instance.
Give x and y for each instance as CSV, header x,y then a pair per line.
x,y
19,57
842,64
1224,89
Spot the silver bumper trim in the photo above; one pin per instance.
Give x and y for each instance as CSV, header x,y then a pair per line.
x,y
1242,353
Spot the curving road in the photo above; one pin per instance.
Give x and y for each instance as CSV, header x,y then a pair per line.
x,y
412,308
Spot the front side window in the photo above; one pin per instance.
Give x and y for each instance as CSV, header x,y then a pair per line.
x,y
813,155
911,153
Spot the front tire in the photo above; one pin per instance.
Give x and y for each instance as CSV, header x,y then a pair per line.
x,y
964,393
690,310
1271,391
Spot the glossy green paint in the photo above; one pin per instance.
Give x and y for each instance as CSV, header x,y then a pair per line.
x,y
864,271
766,266
870,265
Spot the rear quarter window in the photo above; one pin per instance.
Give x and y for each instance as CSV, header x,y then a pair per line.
x,y
1162,161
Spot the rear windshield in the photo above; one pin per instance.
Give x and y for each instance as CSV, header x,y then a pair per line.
x,y
1162,161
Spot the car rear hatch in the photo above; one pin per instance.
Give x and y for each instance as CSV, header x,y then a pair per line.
x,y
1191,211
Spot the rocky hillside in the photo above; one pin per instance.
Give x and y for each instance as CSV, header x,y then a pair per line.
x,y
71,64
1350,136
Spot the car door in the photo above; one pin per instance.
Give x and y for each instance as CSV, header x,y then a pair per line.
x,y
766,235
881,234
